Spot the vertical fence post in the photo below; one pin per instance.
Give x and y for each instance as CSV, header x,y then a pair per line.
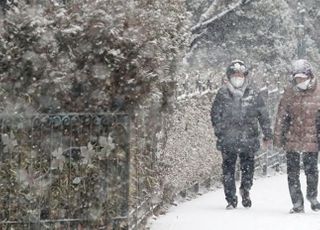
x,y
265,164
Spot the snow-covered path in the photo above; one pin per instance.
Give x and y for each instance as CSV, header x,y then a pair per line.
x,y
270,210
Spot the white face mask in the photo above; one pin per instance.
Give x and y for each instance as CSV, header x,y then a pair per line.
x,y
237,82
304,85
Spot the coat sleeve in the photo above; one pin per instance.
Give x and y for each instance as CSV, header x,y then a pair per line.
x,y
264,118
216,114
282,122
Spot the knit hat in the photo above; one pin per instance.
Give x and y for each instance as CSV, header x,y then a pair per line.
x,y
301,66
236,66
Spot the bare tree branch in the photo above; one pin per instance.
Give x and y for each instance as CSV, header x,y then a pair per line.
x,y
205,23
201,28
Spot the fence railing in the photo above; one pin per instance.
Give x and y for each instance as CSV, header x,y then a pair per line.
x,y
71,171
271,158
64,171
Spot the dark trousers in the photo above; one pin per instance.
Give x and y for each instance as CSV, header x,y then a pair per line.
x,y
310,164
228,169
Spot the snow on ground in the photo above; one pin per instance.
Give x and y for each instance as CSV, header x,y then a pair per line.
x,y
270,210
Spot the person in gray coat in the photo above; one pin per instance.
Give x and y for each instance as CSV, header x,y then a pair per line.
x,y
237,111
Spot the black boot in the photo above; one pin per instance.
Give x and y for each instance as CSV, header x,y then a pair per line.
x,y
315,205
298,207
232,204
246,201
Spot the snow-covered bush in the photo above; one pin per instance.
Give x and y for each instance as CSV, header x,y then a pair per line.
x,y
85,56
89,55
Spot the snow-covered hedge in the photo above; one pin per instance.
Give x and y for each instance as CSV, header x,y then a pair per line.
x,y
89,55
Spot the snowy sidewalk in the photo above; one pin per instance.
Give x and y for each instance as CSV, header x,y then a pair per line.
x,y
270,211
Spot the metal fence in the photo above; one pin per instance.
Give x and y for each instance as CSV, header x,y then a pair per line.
x,y
64,171
271,158
71,171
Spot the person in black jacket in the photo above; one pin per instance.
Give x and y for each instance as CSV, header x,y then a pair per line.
x,y
236,114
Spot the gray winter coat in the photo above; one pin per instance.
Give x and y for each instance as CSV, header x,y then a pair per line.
x,y
236,122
